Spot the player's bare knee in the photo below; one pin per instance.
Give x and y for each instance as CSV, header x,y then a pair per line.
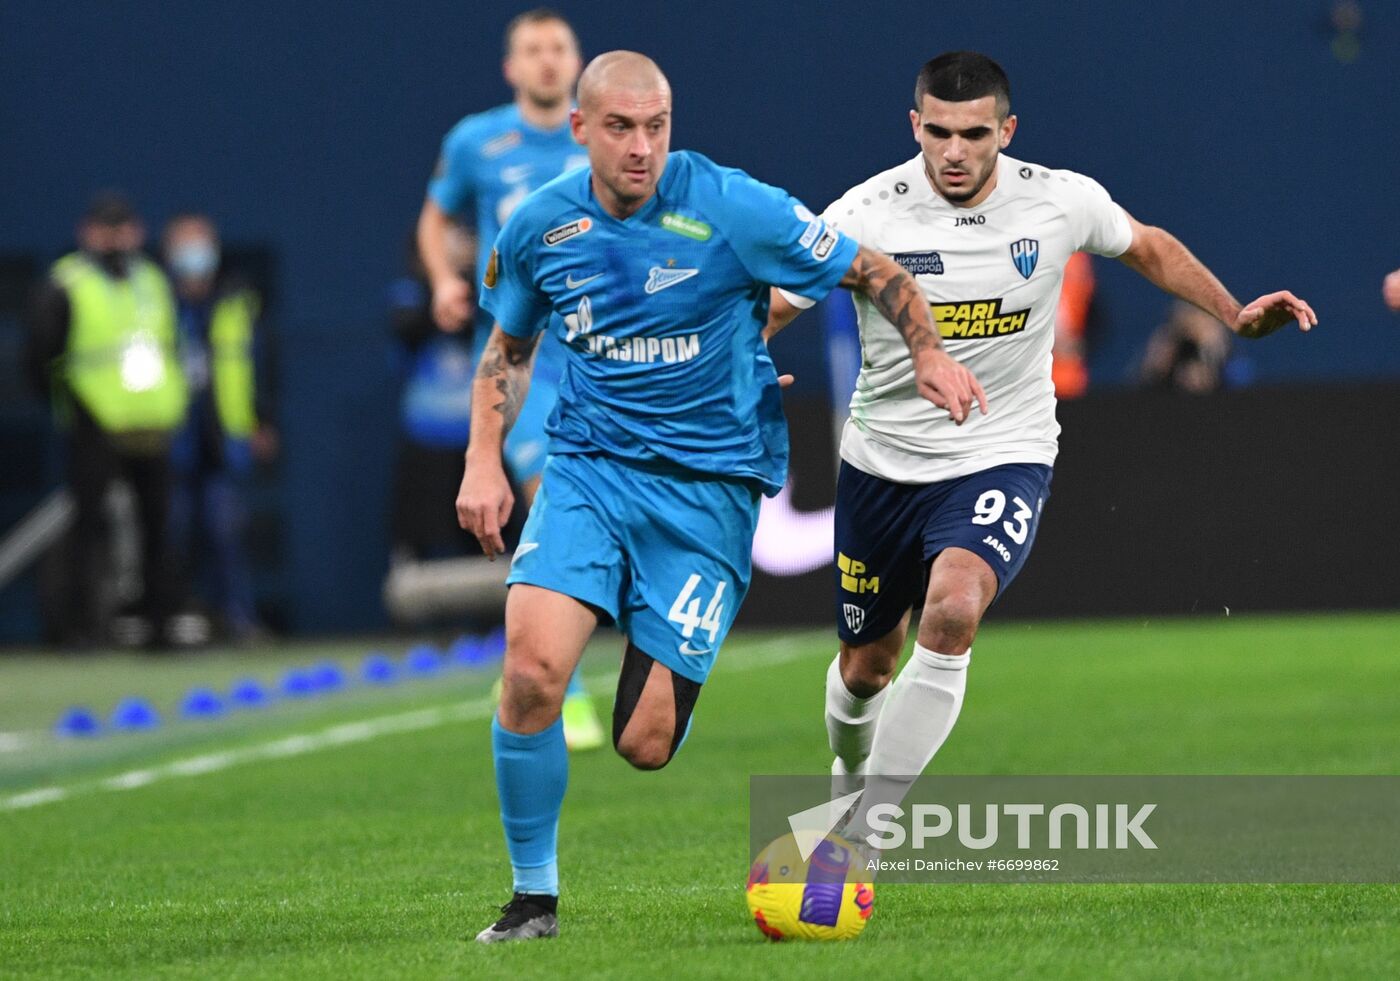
x,y
645,752
529,683
950,623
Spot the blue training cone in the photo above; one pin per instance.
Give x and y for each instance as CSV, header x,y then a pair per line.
x,y
379,669
135,713
424,660
248,693
327,676
78,722
202,703
464,652
494,645
297,683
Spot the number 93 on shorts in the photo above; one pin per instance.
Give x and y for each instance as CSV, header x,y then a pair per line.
x,y
665,554
887,534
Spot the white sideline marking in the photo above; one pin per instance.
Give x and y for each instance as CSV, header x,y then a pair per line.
x,y
345,733
13,742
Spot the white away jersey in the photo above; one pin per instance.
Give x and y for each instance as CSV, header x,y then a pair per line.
x,y
992,277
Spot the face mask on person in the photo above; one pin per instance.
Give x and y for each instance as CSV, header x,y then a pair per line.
x,y
194,260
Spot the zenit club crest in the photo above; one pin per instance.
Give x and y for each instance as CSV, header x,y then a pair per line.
x,y
1025,252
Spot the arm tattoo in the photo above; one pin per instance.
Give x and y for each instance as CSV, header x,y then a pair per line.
x,y
505,366
895,294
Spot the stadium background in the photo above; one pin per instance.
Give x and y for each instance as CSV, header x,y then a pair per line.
x,y
308,131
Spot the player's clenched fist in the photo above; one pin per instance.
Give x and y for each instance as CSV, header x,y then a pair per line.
x,y
948,384
484,504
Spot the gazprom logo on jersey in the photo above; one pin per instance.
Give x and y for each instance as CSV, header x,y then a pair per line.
x,y
980,318
1025,252
565,232
920,263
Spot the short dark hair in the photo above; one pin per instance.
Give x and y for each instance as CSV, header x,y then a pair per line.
x,y
110,207
539,15
961,76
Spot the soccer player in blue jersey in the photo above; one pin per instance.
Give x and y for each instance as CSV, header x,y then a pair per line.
x,y
654,270
489,163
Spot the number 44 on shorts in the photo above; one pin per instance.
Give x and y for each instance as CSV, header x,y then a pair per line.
x,y
686,611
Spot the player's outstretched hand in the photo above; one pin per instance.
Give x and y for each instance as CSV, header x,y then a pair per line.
x,y
1272,311
452,304
948,385
484,504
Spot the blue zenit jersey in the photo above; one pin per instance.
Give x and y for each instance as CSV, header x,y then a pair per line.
x,y
661,314
490,162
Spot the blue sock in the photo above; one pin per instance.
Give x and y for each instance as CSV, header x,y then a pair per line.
x,y
575,684
532,773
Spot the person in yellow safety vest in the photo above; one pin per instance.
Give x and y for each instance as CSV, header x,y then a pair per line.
x,y
103,345
214,452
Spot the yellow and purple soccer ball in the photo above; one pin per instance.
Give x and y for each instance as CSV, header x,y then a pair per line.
x,y
828,897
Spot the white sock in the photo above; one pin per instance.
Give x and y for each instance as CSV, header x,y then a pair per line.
x,y
923,705
850,728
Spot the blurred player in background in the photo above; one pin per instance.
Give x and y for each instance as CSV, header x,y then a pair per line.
x,y
1390,290
926,511
489,163
654,269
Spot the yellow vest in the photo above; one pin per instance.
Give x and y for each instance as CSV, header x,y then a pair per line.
x,y
231,357
120,360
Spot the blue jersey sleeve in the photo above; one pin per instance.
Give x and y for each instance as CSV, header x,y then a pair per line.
x,y
779,241
453,184
509,291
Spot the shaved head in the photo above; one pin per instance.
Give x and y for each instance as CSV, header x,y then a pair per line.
x,y
624,118
623,72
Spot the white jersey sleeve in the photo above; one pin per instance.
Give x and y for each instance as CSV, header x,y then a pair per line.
x,y
1100,225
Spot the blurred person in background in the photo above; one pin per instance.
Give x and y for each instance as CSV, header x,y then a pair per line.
x,y
1192,352
1390,291
103,346
435,408
1069,368
489,163
214,452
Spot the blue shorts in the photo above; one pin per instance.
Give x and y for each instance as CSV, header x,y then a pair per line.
x,y
887,534
666,555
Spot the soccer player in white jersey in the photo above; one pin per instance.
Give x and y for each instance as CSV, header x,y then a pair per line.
x,y
920,497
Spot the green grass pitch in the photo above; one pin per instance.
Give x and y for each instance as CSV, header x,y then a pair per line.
x,y
380,854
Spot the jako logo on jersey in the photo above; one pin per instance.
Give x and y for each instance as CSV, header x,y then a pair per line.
x,y
920,263
659,279
1025,252
688,227
998,547
851,580
855,617
962,220
980,318
565,232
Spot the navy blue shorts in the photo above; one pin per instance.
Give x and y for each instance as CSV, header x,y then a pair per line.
x,y
887,534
